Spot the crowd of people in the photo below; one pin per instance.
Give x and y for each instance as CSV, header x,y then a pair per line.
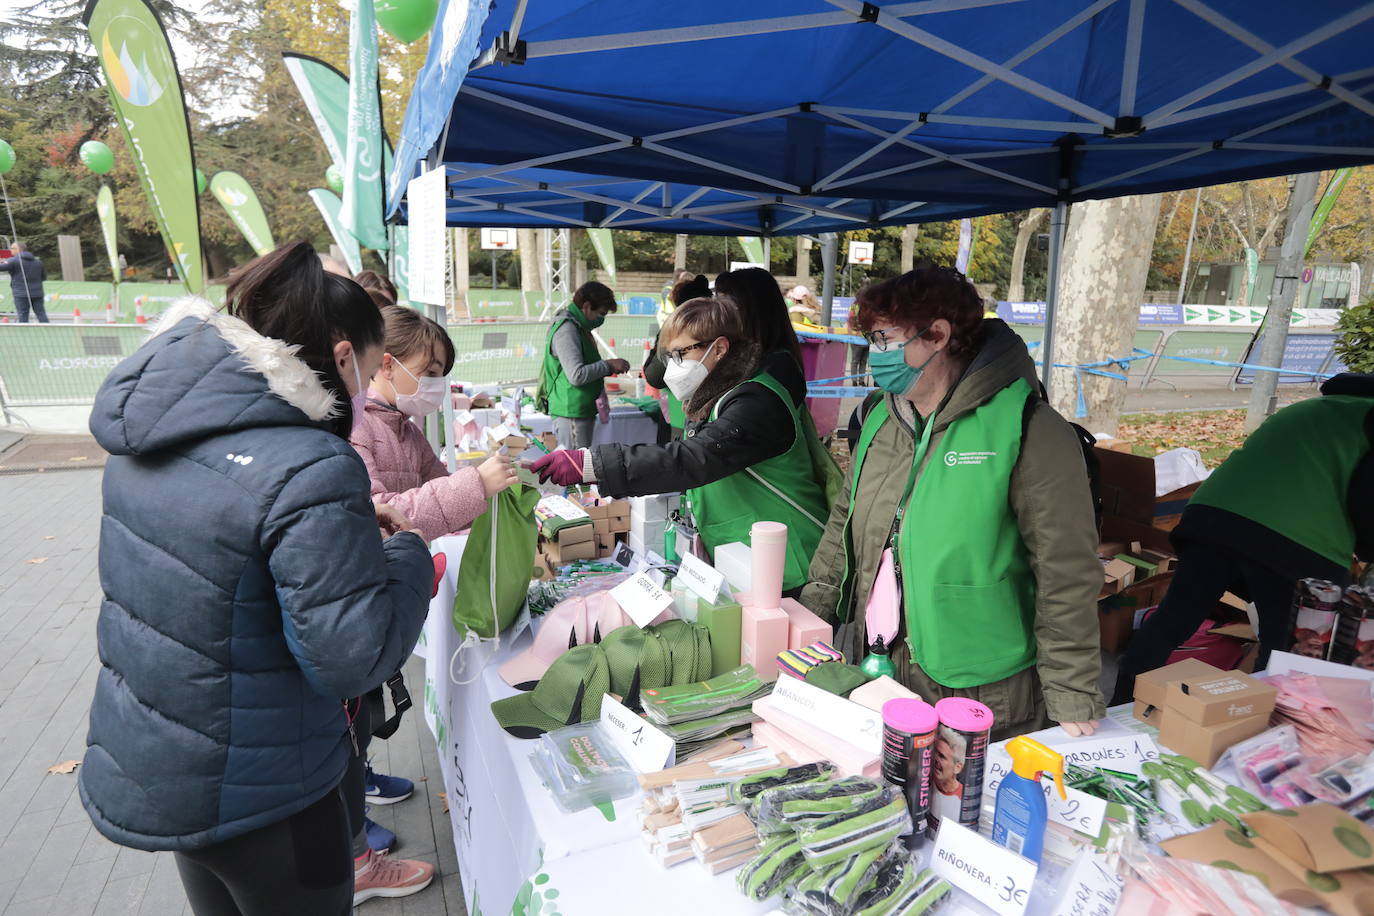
x,y
268,501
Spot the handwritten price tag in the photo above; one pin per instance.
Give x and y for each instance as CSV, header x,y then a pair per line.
x,y
850,722
994,875
639,597
646,748
703,580
1124,754
1080,811
1092,889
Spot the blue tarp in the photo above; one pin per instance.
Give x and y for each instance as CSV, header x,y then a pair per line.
x,y
789,116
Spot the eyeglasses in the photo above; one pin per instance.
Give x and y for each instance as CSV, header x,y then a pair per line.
x,y
881,342
675,356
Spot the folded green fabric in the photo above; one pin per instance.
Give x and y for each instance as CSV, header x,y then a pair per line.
x,y
836,678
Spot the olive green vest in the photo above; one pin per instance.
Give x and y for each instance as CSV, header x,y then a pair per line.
x,y
783,489
968,592
557,396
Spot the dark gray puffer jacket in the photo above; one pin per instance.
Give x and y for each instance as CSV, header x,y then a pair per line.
x,y
246,588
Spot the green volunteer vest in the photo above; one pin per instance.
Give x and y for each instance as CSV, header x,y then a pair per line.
x,y
677,417
968,593
564,398
1293,474
782,489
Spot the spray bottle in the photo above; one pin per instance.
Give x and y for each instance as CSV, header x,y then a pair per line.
x,y
1019,821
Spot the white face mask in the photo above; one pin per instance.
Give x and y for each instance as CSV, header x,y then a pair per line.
x,y
428,397
684,380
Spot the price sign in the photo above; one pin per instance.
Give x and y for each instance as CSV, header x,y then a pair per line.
x,y
639,597
1080,811
701,578
850,722
1092,888
464,417
994,875
646,748
1125,753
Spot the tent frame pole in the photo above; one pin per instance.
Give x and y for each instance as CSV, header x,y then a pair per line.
x,y
830,244
1058,225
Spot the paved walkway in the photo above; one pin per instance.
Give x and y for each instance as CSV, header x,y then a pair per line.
x,y
51,859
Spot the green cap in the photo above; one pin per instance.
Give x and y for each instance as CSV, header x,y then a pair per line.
x,y
836,677
684,652
569,692
637,659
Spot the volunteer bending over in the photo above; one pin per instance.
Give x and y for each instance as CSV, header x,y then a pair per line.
x,y
747,455
571,377
981,491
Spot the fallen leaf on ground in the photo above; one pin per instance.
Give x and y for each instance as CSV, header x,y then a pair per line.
x,y
49,537
443,797
79,458
36,560
66,766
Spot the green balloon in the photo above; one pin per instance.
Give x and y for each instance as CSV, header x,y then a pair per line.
x,y
334,178
406,20
200,182
6,157
97,156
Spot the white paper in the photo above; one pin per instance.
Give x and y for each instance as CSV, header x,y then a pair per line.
x,y
994,875
646,748
1091,888
1124,754
428,200
639,597
701,578
1080,811
1289,663
562,507
850,722
499,432
463,417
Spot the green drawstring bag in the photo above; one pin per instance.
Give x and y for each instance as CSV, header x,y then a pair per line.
x,y
494,574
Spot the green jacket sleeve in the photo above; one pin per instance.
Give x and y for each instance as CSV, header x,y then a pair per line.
x,y
1053,506
821,594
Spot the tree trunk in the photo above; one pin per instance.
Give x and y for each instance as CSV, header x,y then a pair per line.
x,y
679,255
804,261
909,234
1016,288
462,279
527,240
1102,280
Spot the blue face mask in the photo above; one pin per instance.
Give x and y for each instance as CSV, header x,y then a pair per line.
x,y
890,369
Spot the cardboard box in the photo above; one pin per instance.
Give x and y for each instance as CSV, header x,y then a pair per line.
x,y
1217,699
601,524
1150,715
1144,568
563,554
1116,575
605,543
1117,618
1152,687
575,534
1319,837
550,441
619,524
1128,491
1206,743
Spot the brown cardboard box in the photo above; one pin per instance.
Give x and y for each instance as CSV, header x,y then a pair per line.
x,y
550,441
605,543
1319,837
1220,698
1117,617
1164,561
597,510
619,524
575,534
563,554
1150,715
1128,490
1206,743
620,508
1152,687
543,567
601,524
1116,575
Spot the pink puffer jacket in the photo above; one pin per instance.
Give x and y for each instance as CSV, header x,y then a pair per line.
x,y
407,474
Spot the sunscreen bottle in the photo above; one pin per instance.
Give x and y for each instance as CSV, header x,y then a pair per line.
x,y
1019,820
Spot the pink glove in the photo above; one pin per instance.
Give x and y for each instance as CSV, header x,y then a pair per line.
x,y
563,467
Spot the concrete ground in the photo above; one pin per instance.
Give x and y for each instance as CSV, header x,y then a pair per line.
x,y
51,859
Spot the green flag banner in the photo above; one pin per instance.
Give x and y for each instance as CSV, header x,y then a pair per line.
x,y
329,205
753,249
145,92
363,212
236,195
605,250
1251,274
325,91
400,261
1324,205
104,208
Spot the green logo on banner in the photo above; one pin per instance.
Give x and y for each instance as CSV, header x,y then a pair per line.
x,y
1192,315
1236,315
1215,315
1256,315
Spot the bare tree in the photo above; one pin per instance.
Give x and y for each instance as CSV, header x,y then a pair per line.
x,y
1016,288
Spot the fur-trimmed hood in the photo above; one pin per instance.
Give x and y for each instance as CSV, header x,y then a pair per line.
x,y
201,373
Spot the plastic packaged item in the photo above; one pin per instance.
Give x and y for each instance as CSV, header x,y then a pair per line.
x,y
961,746
1313,618
833,890
875,824
788,807
744,791
736,688
1353,643
1022,812
1263,761
581,767
909,728
1337,782
769,871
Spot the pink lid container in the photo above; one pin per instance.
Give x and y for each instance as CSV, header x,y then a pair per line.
x,y
913,717
963,715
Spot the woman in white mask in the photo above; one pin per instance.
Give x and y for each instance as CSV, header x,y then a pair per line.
x,y
750,452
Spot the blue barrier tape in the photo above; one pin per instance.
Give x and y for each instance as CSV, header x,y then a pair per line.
x,y
826,335
836,379
838,391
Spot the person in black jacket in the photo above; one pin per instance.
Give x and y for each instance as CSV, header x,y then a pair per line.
x,y
26,282
683,291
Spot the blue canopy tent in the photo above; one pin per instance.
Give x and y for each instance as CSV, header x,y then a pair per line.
x,y
803,116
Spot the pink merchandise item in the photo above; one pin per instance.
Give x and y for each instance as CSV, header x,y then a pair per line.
x,y
848,759
603,616
563,628
803,627
763,636
883,611
768,556
878,691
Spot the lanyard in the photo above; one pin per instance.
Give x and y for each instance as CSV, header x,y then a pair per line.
x,y
922,446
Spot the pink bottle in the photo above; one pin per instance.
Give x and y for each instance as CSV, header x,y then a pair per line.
x,y
768,555
764,626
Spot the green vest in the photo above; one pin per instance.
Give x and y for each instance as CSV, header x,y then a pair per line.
x,y
677,417
782,489
968,592
1293,474
562,397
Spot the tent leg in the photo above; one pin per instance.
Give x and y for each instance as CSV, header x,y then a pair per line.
x,y
1058,223
830,245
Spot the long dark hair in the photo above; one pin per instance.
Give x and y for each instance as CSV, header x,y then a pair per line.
x,y
762,307
286,294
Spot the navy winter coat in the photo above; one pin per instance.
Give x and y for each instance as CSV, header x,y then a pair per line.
x,y
246,589
26,275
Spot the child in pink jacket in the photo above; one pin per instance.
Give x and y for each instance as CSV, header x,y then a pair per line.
x,y
404,470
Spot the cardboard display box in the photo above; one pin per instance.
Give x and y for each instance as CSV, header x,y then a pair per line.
x,y
1152,687
1116,575
1205,743
1219,699
563,554
575,534
1128,491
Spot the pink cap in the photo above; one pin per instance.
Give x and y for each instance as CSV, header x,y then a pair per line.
x,y
561,629
603,616
964,715
914,717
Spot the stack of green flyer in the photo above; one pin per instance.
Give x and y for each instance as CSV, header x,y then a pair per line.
x,y
696,714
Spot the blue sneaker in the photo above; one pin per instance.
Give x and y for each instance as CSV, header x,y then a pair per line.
x,y
387,790
379,839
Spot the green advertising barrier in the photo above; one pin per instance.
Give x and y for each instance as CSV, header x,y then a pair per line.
x,y
490,353
1149,342
496,303
62,298
147,300
43,364
1223,346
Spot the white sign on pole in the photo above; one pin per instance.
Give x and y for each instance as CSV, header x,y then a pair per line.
x,y
498,239
428,198
860,252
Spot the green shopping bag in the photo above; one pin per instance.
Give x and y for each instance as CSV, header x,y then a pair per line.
x,y
494,574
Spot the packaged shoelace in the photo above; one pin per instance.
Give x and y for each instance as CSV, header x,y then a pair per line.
x,y
894,875
787,807
777,864
835,839
743,791
921,893
832,892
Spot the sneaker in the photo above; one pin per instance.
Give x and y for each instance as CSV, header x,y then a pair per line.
x,y
387,790
381,876
379,839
